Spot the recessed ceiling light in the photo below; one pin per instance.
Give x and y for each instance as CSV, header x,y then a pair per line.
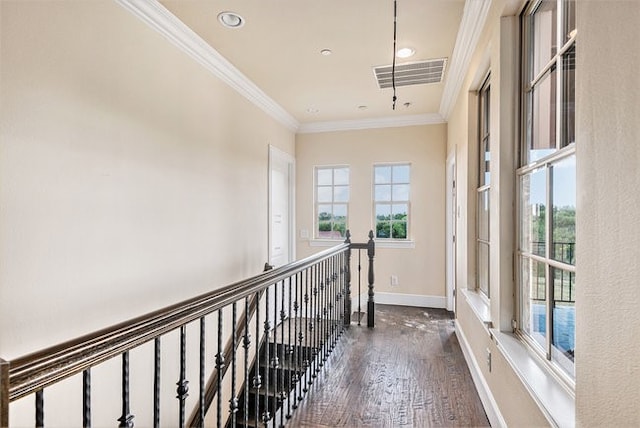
x,y
325,52
230,19
405,52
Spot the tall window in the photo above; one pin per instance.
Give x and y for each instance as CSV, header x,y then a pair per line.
x,y
391,184
484,184
332,201
547,181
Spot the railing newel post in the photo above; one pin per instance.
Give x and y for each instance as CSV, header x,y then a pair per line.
x,y
371,251
4,393
347,275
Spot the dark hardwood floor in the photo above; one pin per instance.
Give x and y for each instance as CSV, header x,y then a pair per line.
x,y
408,371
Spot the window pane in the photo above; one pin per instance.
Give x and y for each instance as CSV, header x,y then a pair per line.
x,y
564,210
341,176
534,312
483,215
544,34
564,319
399,211
324,212
400,192
383,229
324,194
383,192
382,174
325,177
543,133
533,190
401,173
383,212
569,97
339,212
483,268
339,229
399,230
569,19
341,193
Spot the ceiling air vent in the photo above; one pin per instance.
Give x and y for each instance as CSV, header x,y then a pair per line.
x,y
411,73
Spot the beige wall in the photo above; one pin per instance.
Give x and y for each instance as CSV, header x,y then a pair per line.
x,y
129,176
608,230
420,270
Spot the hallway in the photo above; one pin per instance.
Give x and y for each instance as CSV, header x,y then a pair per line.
x,y
409,371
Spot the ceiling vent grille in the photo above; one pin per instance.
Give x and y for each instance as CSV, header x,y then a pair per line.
x,y
412,73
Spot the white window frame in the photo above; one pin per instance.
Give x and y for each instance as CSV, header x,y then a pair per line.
x,y
392,240
484,186
333,202
559,364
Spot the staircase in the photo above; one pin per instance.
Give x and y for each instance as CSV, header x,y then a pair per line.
x,y
291,369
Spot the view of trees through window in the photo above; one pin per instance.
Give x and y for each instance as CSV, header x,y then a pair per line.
x,y
391,200
332,201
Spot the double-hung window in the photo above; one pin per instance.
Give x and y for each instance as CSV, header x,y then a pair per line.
x,y
391,185
484,184
332,201
547,182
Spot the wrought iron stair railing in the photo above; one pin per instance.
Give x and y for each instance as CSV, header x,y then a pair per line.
x,y
297,312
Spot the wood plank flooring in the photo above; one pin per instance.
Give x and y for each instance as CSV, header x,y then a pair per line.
x,y
408,371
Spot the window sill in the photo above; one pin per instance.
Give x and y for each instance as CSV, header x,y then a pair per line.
x,y
480,306
380,243
554,399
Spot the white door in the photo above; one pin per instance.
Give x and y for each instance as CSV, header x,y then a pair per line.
x,y
281,207
451,232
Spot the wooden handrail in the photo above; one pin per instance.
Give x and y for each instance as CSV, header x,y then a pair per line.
x,y
32,372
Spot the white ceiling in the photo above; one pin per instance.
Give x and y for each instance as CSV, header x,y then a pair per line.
x,y
277,51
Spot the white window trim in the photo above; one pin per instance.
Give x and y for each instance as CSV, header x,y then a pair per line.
x,y
330,242
391,242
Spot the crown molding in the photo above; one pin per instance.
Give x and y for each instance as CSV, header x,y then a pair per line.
x,y
384,122
474,16
156,16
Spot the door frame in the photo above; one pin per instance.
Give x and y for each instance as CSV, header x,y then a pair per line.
x,y
451,223
277,154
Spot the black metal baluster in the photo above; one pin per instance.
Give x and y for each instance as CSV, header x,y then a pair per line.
x,y
86,398
307,334
202,356
40,408
182,390
246,343
265,414
297,341
126,420
319,322
233,402
290,356
257,380
275,363
156,382
283,351
325,309
219,367
312,330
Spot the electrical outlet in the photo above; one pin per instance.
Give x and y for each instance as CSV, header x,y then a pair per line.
x,y
394,280
489,359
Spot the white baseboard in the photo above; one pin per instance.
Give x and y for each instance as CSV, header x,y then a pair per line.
x,y
488,401
402,300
